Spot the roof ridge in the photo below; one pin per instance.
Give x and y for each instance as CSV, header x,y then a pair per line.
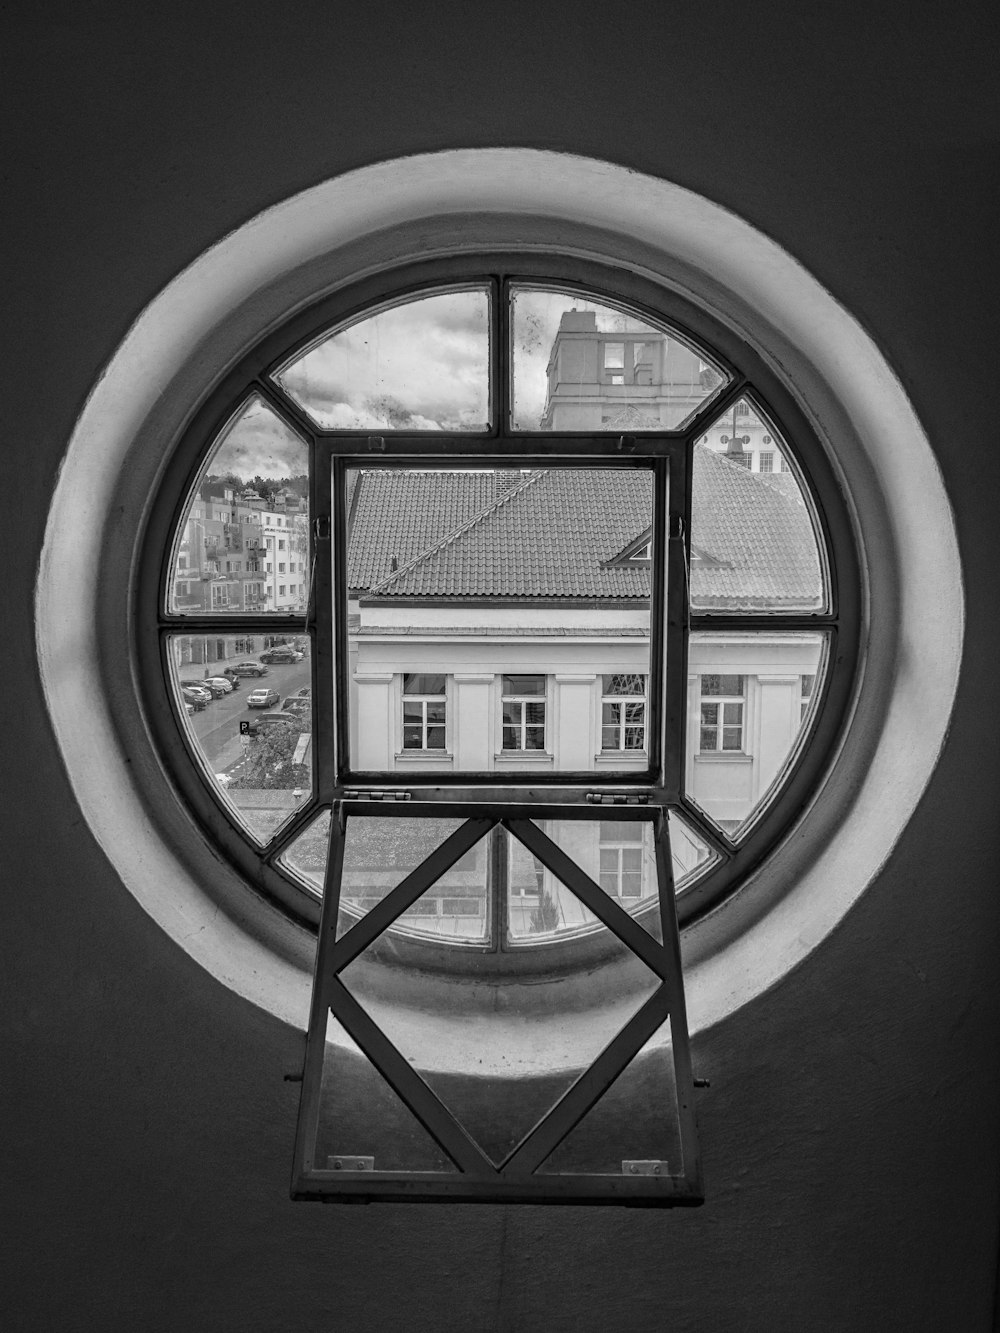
x,y
469,523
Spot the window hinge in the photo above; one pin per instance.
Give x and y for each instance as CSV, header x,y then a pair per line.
x,y
376,795
645,1168
340,1163
376,443
616,798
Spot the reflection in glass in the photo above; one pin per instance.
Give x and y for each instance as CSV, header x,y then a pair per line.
x,y
634,1127
749,700
242,545
360,1115
581,365
500,1059
419,365
753,546
305,856
380,852
618,855
499,619
239,698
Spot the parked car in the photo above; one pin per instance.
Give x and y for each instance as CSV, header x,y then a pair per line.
x,y
267,720
196,697
250,669
284,654
262,698
293,704
214,689
221,683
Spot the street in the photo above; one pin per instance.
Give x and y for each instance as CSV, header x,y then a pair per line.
x,y
216,728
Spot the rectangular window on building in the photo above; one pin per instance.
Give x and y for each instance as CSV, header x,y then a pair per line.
x,y
614,356
523,705
423,711
621,851
767,462
722,713
281,568
623,712
281,590
281,543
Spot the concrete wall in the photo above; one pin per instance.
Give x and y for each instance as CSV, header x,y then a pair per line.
x,y
850,1131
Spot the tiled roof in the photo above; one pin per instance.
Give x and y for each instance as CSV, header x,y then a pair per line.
x,y
758,535
545,538
400,514
557,533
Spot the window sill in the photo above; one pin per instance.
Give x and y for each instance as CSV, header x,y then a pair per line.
x,y
520,758
723,757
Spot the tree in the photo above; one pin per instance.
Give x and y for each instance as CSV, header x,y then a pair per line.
x,y
269,764
545,916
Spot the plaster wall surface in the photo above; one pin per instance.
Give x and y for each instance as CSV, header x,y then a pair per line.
x,y
850,1132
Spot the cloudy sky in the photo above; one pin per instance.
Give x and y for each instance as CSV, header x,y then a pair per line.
x,y
418,366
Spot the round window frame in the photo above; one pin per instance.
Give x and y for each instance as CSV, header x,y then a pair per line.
x,y
471,200
736,856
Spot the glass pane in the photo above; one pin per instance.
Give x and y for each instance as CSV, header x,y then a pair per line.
x,y
256,755
306,855
734,768
582,365
500,1068
380,852
599,847
522,685
689,852
360,1115
509,589
423,684
419,365
634,1127
247,514
753,546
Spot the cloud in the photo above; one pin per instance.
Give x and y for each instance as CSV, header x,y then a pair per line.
x,y
259,443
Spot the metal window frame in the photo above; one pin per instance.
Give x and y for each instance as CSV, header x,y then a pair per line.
x,y
838,622
516,1178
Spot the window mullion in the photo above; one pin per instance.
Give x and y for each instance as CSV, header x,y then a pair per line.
x,y
329,543
672,514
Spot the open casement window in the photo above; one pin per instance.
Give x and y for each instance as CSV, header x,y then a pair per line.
x,y
475,762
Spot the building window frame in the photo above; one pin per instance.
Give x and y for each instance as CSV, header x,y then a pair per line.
x,y
722,713
518,701
617,704
421,725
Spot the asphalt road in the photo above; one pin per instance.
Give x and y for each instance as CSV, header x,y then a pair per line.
x,y
217,726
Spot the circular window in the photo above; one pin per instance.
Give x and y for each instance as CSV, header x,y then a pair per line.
x,y
216,355
482,532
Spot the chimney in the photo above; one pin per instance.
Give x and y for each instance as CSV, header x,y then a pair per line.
x,y
505,479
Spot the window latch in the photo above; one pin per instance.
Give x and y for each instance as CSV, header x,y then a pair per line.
x,y
321,528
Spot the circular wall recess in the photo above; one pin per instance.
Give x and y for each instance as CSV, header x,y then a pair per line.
x,y
470,201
